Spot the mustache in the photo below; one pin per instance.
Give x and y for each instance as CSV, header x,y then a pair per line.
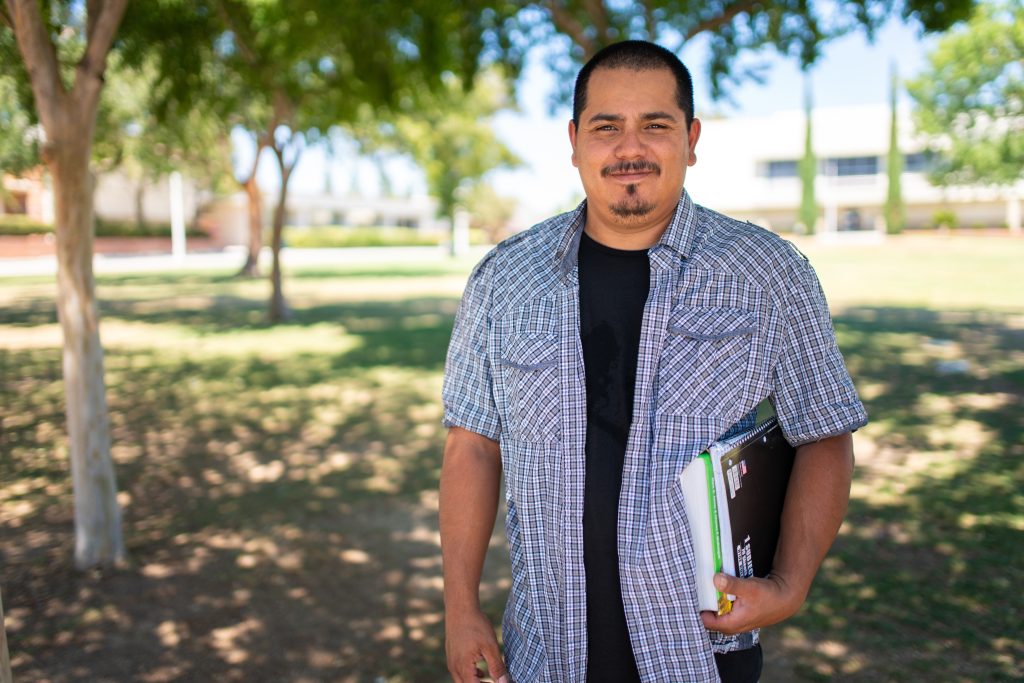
x,y
631,167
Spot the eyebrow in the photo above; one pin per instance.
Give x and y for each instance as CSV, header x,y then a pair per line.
x,y
649,116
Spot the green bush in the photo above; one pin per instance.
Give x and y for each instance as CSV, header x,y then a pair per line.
x,y
16,224
340,236
945,218
109,228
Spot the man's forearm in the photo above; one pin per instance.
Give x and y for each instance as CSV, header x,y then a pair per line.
x,y
816,501
470,478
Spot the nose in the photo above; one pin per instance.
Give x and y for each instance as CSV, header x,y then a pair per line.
x,y
629,145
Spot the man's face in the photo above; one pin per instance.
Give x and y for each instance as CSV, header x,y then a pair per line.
x,y
632,148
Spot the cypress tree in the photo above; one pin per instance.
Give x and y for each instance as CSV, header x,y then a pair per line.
x,y
808,167
895,213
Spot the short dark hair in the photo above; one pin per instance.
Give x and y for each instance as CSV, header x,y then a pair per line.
x,y
638,55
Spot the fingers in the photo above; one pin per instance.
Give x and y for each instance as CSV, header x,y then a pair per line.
x,y
495,664
749,607
471,644
759,602
730,584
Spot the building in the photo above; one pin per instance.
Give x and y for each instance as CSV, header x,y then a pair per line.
x,y
118,198
27,196
748,168
307,210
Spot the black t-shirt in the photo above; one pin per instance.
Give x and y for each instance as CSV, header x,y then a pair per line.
x,y
613,290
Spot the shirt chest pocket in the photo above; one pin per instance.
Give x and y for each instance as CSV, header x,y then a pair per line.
x,y
705,362
530,381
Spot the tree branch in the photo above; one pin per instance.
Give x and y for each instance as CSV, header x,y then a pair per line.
x,y
598,13
100,37
566,23
649,19
40,59
241,36
725,17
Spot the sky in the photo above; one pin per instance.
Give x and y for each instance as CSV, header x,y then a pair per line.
x,y
851,71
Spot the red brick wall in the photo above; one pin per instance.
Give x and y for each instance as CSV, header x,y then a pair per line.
x,y
28,246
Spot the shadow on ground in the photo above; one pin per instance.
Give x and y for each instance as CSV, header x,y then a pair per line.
x,y
280,508
920,584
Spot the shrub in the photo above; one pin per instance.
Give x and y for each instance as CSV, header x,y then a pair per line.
x,y
17,224
945,218
110,228
343,236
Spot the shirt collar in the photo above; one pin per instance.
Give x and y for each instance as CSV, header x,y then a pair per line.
x,y
680,235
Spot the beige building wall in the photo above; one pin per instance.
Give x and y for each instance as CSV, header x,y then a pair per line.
x,y
735,156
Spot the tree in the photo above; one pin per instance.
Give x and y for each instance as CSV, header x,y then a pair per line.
x,y
969,100
792,27
66,95
895,211
489,211
808,166
146,141
449,136
308,65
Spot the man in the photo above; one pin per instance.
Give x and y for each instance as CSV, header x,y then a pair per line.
x,y
593,357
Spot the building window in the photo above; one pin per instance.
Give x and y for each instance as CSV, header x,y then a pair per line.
x,y
918,162
15,202
847,166
784,168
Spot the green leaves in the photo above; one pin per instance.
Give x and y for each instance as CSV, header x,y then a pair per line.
x,y
796,28
970,99
448,135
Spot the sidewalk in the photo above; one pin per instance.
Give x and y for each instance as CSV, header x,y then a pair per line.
x,y
232,259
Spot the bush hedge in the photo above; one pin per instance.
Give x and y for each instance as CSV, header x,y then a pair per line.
x,y
336,236
15,224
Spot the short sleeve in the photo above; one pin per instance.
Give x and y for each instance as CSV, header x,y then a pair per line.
x,y
467,393
814,394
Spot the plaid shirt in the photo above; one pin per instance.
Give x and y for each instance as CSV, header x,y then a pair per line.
x,y
734,314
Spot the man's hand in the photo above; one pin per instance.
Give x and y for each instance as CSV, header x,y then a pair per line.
x,y
758,603
469,640
470,478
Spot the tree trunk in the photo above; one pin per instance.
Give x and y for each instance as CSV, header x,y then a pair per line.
x,y
140,206
255,215
279,310
69,119
5,659
98,536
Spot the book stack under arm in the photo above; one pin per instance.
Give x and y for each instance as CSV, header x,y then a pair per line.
x,y
733,495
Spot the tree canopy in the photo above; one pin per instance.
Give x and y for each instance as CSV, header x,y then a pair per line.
x,y
449,136
732,27
970,98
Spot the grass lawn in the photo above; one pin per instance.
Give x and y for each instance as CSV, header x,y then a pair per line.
x,y
279,483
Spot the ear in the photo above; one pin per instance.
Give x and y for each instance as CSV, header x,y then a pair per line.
x,y
693,135
572,141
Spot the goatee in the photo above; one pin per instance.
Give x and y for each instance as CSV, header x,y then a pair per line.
x,y
633,207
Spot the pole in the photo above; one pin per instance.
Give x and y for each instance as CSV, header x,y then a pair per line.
x,y
177,218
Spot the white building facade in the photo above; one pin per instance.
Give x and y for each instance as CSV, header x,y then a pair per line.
x,y
748,168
